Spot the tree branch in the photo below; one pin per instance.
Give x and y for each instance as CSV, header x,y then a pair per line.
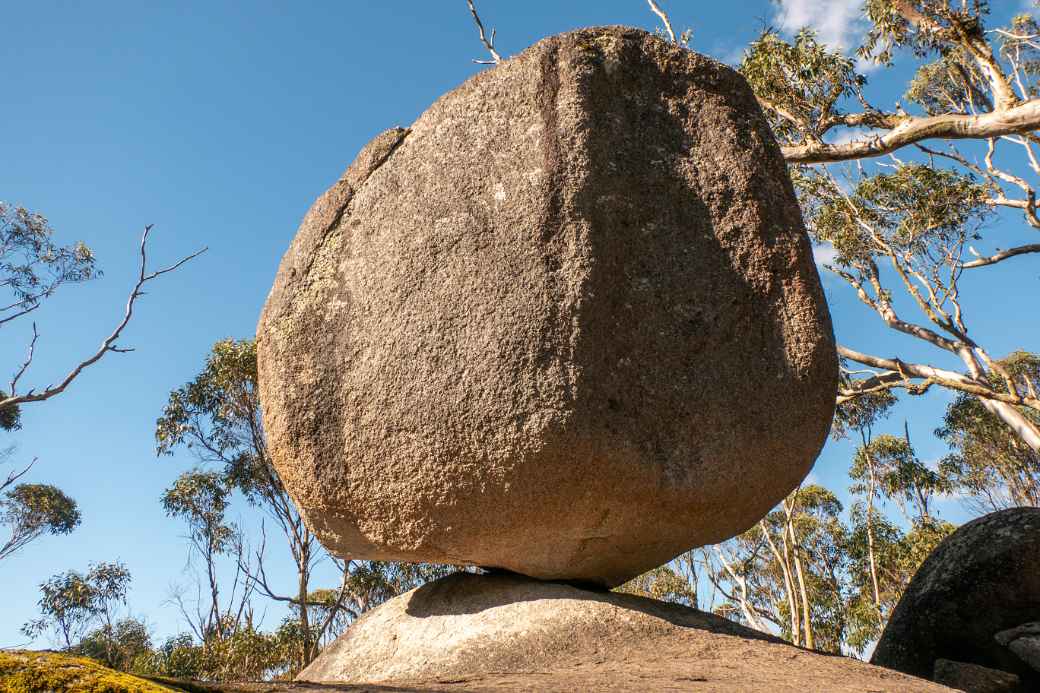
x,y
110,342
664,18
1002,255
898,370
1018,119
488,43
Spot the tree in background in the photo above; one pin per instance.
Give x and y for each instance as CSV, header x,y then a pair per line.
x,y
217,417
200,499
988,465
125,645
32,268
31,510
73,602
674,582
912,226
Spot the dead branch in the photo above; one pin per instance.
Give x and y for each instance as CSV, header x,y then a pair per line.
x,y
15,476
664,18
109,344
488,43
25,364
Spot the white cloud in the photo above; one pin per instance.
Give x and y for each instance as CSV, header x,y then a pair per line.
x,y
824,254
838,23
851,135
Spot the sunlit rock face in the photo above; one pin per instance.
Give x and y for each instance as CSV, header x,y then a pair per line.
x,y
567,324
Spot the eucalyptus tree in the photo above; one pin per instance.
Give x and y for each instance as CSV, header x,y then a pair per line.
x,y
910,227
201,498
72,602
32,510
988,466
217,417
787,573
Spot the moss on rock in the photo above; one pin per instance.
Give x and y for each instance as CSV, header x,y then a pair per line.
x,y
23,671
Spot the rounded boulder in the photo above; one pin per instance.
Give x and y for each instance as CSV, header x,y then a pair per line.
x,y
567,324
970,600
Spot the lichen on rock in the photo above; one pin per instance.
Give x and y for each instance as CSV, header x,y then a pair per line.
x,y
23,671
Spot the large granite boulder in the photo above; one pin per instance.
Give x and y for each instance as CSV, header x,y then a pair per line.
x,y
973,597
566,324
505,632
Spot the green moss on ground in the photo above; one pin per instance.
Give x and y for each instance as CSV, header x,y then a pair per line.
x,y
24,671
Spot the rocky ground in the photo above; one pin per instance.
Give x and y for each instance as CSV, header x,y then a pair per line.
x,y
653,666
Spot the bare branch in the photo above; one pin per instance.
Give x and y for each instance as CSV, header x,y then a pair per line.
x,y
898,370
15,476
28,360
664,18
1002,255
1018,119
19,314
110,342
488,43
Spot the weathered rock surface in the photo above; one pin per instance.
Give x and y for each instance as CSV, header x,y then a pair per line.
x,y
982,580
505,632
974,679
567,324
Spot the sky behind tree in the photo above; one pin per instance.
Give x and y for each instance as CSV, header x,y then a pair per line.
x,y
220,123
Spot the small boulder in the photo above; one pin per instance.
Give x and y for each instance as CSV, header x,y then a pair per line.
x,y
981,580
1024,641
567,324
972,678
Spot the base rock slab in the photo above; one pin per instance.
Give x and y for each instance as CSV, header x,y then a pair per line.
x,y
505,632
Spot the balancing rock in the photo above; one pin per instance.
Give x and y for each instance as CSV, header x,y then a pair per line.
x,y
566,324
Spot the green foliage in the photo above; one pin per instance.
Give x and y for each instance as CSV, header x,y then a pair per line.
x,y
665,583
899,475
951,84
32,266
10,416
72,601
915,213
988,462
125,645
30,510
200,498
941,23
801,83
244,654
370,583
808,555
217,414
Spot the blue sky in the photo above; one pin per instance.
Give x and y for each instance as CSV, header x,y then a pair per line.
x,y
220,123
